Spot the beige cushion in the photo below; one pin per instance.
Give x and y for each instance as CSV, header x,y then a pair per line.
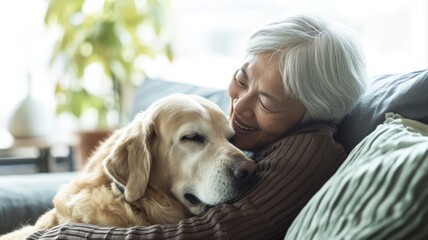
x,y
380,191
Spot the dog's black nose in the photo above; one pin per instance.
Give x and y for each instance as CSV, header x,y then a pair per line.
x,y
244,170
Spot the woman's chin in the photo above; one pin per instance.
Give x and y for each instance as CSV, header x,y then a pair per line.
x,y
242,142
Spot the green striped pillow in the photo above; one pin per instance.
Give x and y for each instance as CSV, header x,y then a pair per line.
x,y
380,191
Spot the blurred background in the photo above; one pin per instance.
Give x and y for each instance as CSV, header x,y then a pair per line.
x,y
194,41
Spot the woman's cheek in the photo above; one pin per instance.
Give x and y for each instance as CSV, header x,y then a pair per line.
x,y
231,109
231,90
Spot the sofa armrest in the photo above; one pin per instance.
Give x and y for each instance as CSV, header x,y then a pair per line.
x,y
23,198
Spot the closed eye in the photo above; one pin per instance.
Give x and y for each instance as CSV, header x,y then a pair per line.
x,y
196,138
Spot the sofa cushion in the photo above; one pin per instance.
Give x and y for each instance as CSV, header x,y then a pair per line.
x,y
155,89
406,94
23,198
380,191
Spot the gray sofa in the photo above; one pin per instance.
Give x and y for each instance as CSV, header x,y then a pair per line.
x,y
24,198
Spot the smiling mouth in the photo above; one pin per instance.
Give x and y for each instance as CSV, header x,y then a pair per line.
x,y
243,127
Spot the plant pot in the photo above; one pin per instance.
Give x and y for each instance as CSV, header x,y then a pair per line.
x,y
88,141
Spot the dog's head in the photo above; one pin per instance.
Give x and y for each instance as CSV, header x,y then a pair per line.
x,y
181,145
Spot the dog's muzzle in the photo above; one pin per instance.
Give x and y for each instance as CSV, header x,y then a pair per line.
x,y
243,172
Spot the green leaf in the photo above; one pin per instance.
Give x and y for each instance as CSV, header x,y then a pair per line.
x,y
113,34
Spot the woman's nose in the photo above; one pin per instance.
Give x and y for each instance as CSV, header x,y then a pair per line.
x,y
243,106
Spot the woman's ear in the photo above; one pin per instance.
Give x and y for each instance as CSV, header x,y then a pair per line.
x,y
130,158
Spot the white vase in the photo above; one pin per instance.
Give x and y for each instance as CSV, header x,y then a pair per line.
x,y
32,118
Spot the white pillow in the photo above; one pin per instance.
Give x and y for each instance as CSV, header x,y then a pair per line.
x,y
380,191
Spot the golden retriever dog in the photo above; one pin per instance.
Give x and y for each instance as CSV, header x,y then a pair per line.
x,y
172,161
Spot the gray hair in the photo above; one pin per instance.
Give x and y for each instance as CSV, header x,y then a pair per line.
x,y
321,63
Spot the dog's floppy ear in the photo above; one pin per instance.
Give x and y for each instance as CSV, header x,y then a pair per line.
x,y
130,158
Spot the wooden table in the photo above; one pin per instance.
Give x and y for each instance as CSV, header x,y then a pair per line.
x,y
44,161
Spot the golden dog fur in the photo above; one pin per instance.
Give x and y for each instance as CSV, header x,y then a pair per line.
x,y
142,174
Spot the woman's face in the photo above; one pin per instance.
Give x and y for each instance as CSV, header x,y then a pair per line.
x,y
260,111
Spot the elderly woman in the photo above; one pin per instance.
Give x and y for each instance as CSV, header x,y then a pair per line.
x,y
300,76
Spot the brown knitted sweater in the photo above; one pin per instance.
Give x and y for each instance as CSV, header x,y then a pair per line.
x,y
289,173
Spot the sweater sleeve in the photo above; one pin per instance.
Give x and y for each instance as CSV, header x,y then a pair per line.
x,y
289,173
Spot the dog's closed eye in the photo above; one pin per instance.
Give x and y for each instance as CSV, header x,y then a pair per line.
x,y
194,137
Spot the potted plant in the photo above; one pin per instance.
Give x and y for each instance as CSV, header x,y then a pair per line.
x,y
107,39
